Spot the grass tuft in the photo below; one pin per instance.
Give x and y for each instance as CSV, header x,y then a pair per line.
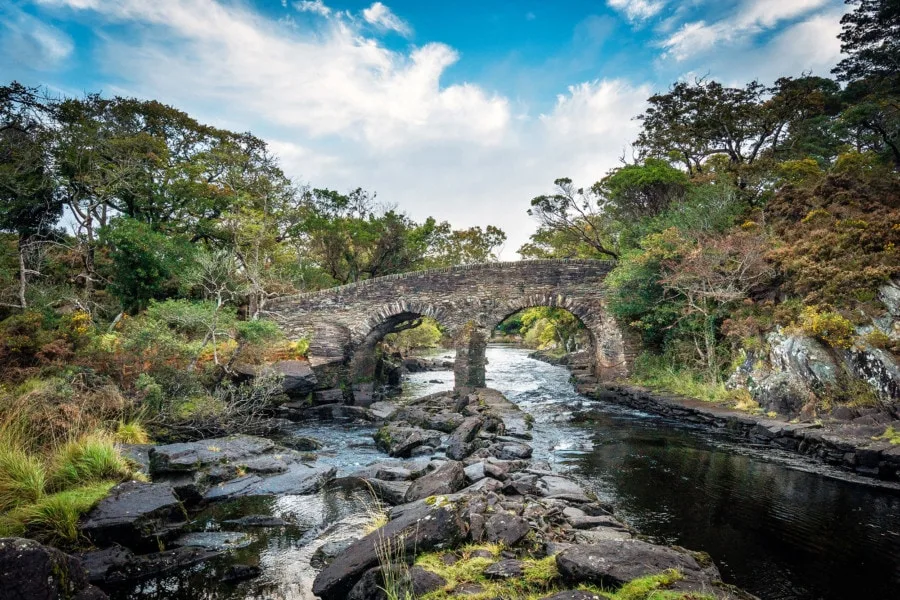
x,y
54,519
22,476
890,435
131,432
90,458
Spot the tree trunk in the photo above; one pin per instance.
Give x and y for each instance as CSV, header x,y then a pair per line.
x,y
23,276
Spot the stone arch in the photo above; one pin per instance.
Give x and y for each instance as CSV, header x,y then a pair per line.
x,y
366,336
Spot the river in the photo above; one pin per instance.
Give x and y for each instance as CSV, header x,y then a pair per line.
x,y
775,524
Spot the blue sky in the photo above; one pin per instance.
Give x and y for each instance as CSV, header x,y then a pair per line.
x,y
463,110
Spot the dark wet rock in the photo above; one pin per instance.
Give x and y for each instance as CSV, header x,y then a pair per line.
x,y
257,521
614,563
336,411
298,479
446,479
189,487
237,573
512,451
328,551
391,492
459,445
146,566
421,528
214,540
415,579
137,454
301,443
97,563
506,529
31,571
505,569
400,441
192,456
134,514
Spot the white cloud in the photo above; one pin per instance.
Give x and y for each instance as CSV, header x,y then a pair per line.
x,y
752,18
27,41
381,16
313,6
637,10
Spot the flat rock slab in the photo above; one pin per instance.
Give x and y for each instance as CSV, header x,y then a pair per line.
x,y
615,562
214,540
506,529
299,479
132,513
514,418
562,488
446,479
145,566
193,456
257,521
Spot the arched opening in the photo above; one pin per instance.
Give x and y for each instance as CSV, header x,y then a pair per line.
x,y
552,333
378,359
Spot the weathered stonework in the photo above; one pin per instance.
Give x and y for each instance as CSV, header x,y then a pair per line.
x,y
345,323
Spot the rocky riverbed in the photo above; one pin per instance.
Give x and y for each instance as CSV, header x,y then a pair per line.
x,y
462,509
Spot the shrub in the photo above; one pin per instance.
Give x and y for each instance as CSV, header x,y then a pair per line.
x,y
89,459
829,327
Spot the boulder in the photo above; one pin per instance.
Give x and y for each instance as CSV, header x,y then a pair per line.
x,y
192,456
459,445
297,377
31,571
135,514
416,580
446,479
421,528
114,569
475,472
554,486
512,451
613,563
400,441
506,529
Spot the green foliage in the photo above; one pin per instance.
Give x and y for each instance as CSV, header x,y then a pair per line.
x,y
144,263
662,373
131,432
426,335
890,435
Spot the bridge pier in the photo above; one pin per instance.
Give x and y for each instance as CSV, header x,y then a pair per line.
x,y
469,367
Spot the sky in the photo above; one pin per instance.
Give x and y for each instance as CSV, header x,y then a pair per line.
x,y
460,110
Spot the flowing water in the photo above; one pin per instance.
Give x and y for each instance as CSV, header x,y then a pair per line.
x,y
775,524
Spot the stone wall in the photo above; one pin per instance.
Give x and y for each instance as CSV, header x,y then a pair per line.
x,y
345,323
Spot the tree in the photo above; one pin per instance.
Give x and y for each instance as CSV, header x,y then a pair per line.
x,y
870,36
351,238
450,247
715,272
575,211
640,190
28,205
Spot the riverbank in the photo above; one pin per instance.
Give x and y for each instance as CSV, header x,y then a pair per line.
x,y
858,445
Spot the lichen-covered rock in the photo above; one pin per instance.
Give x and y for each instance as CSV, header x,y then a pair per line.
x,y
192,456
31,571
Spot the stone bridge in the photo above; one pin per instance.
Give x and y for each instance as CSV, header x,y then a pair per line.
x,y
344,324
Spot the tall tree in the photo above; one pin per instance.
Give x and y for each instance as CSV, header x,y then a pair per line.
x,y
28,205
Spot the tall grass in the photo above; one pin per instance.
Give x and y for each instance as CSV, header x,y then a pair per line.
x,y
657,373
54,519
88,459
131,432
23,477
